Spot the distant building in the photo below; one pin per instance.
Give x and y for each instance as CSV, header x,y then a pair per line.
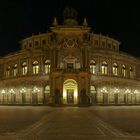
x,y
69,65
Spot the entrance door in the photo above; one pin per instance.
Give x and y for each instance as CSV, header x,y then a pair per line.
x,y
70,96
70,92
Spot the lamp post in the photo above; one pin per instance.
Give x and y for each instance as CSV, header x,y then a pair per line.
x,y
12,92
126,93
23,91
35,92
105,95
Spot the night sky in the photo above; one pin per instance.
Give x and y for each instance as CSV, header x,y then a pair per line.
x,y
119,19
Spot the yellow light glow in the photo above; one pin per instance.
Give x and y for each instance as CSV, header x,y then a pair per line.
x,y
12,91
35,89
127,91
72,85
135,91
3,91
116,90
75,94
64,94
104,90
23,90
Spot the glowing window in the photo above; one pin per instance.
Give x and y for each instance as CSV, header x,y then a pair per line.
x,y
92,89
35,67
92,67
47,66
115,69
124,70
104,68
24,68
47,89
15,70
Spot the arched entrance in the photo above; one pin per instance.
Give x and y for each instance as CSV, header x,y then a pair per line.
x,y
70,92
93,94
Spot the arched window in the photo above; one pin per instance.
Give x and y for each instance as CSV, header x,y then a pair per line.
x,y
47,66
104,68
24,68
124,70
92,89
47,89
92,67
15,70
8,72
131,72
35,67
115,69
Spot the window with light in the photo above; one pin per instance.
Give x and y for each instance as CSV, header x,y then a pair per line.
x,y
35,67
92,67
24,68
115,69
104,68
47,66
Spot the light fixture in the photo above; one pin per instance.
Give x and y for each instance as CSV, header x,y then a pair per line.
x,y
104,90
116,90
135,91
23,90
3,91
127,91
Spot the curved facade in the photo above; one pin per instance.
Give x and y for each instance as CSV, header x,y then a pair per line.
x,y
69,65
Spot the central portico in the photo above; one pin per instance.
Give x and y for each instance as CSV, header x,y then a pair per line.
x,y
70,92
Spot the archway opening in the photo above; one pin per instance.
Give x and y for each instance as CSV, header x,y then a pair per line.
x,y
70,92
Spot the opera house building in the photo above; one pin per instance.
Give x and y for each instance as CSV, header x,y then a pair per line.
x,y
69,65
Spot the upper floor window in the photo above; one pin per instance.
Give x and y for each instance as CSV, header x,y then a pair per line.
x,y
35,67
104,68
109,45
103,43
15,70
30,44
131,72
92,67
8,71
43,42
115,69
47,66
36,43
124,70
24,68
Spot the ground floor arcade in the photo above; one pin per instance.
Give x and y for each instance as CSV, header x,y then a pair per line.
x,y
99,94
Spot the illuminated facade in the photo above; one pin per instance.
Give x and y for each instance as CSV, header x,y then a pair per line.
x,y
69,65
